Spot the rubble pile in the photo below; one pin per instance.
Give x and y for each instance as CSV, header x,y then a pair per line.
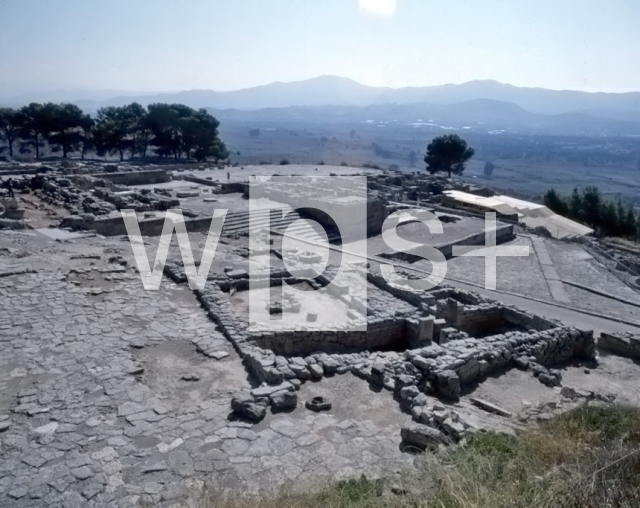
x,y
100,198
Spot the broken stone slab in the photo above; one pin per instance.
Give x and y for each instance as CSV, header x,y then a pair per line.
x,y
488,406
550,378
267,391
283,400
249,409
300,372
422,437
420,400
166,448
154,467
568,393
316,370
453,428
187,194
522,362
48,429
237,274
409,392
330,365
138,343
573,394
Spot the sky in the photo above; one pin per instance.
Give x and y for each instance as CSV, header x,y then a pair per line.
x,y
171,45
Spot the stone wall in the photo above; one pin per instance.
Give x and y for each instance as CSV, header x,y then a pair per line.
x,y
413,297
433,368
380,334
625,344
114,226
136,177
482,318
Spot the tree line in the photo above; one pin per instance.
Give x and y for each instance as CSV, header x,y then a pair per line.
x,y
588,207
170,130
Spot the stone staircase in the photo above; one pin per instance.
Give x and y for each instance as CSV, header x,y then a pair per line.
x,y
238,222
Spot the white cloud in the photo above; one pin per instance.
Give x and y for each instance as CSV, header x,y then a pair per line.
x,y
384,8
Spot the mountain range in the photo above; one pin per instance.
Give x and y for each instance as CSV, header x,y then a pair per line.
x,y
339,91
332,97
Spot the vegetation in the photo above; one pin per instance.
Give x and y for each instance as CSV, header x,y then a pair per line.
x,y
448,153
172,129
381,152
413,158
588,458
589,207
488,169
8,128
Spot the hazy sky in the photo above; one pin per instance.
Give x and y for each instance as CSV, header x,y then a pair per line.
x,y
166,45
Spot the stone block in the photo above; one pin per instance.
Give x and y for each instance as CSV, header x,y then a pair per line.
x,y
249,408
283,400
422,437
449,384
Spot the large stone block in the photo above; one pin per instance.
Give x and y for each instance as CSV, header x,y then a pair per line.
x,y
624,344
422,437
449,384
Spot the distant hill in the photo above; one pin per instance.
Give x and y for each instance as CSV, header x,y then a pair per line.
x,y
480,115
331,98
338,91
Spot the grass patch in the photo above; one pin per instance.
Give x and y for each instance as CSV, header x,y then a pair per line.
x,y
587,458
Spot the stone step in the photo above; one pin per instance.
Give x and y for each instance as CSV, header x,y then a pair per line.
x,y
242,221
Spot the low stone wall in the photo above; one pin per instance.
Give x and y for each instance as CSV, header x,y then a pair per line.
x,y
228,188
415,298
198,180
136,177
380,334
625,344
114,226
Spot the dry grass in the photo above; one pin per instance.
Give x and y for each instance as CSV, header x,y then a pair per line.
x,y
587,458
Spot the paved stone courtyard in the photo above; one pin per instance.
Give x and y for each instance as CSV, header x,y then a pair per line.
x,y
94,406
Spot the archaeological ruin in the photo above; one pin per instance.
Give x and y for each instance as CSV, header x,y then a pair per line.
x,y
298,358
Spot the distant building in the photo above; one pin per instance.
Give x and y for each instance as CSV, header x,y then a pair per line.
x,y
532,215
